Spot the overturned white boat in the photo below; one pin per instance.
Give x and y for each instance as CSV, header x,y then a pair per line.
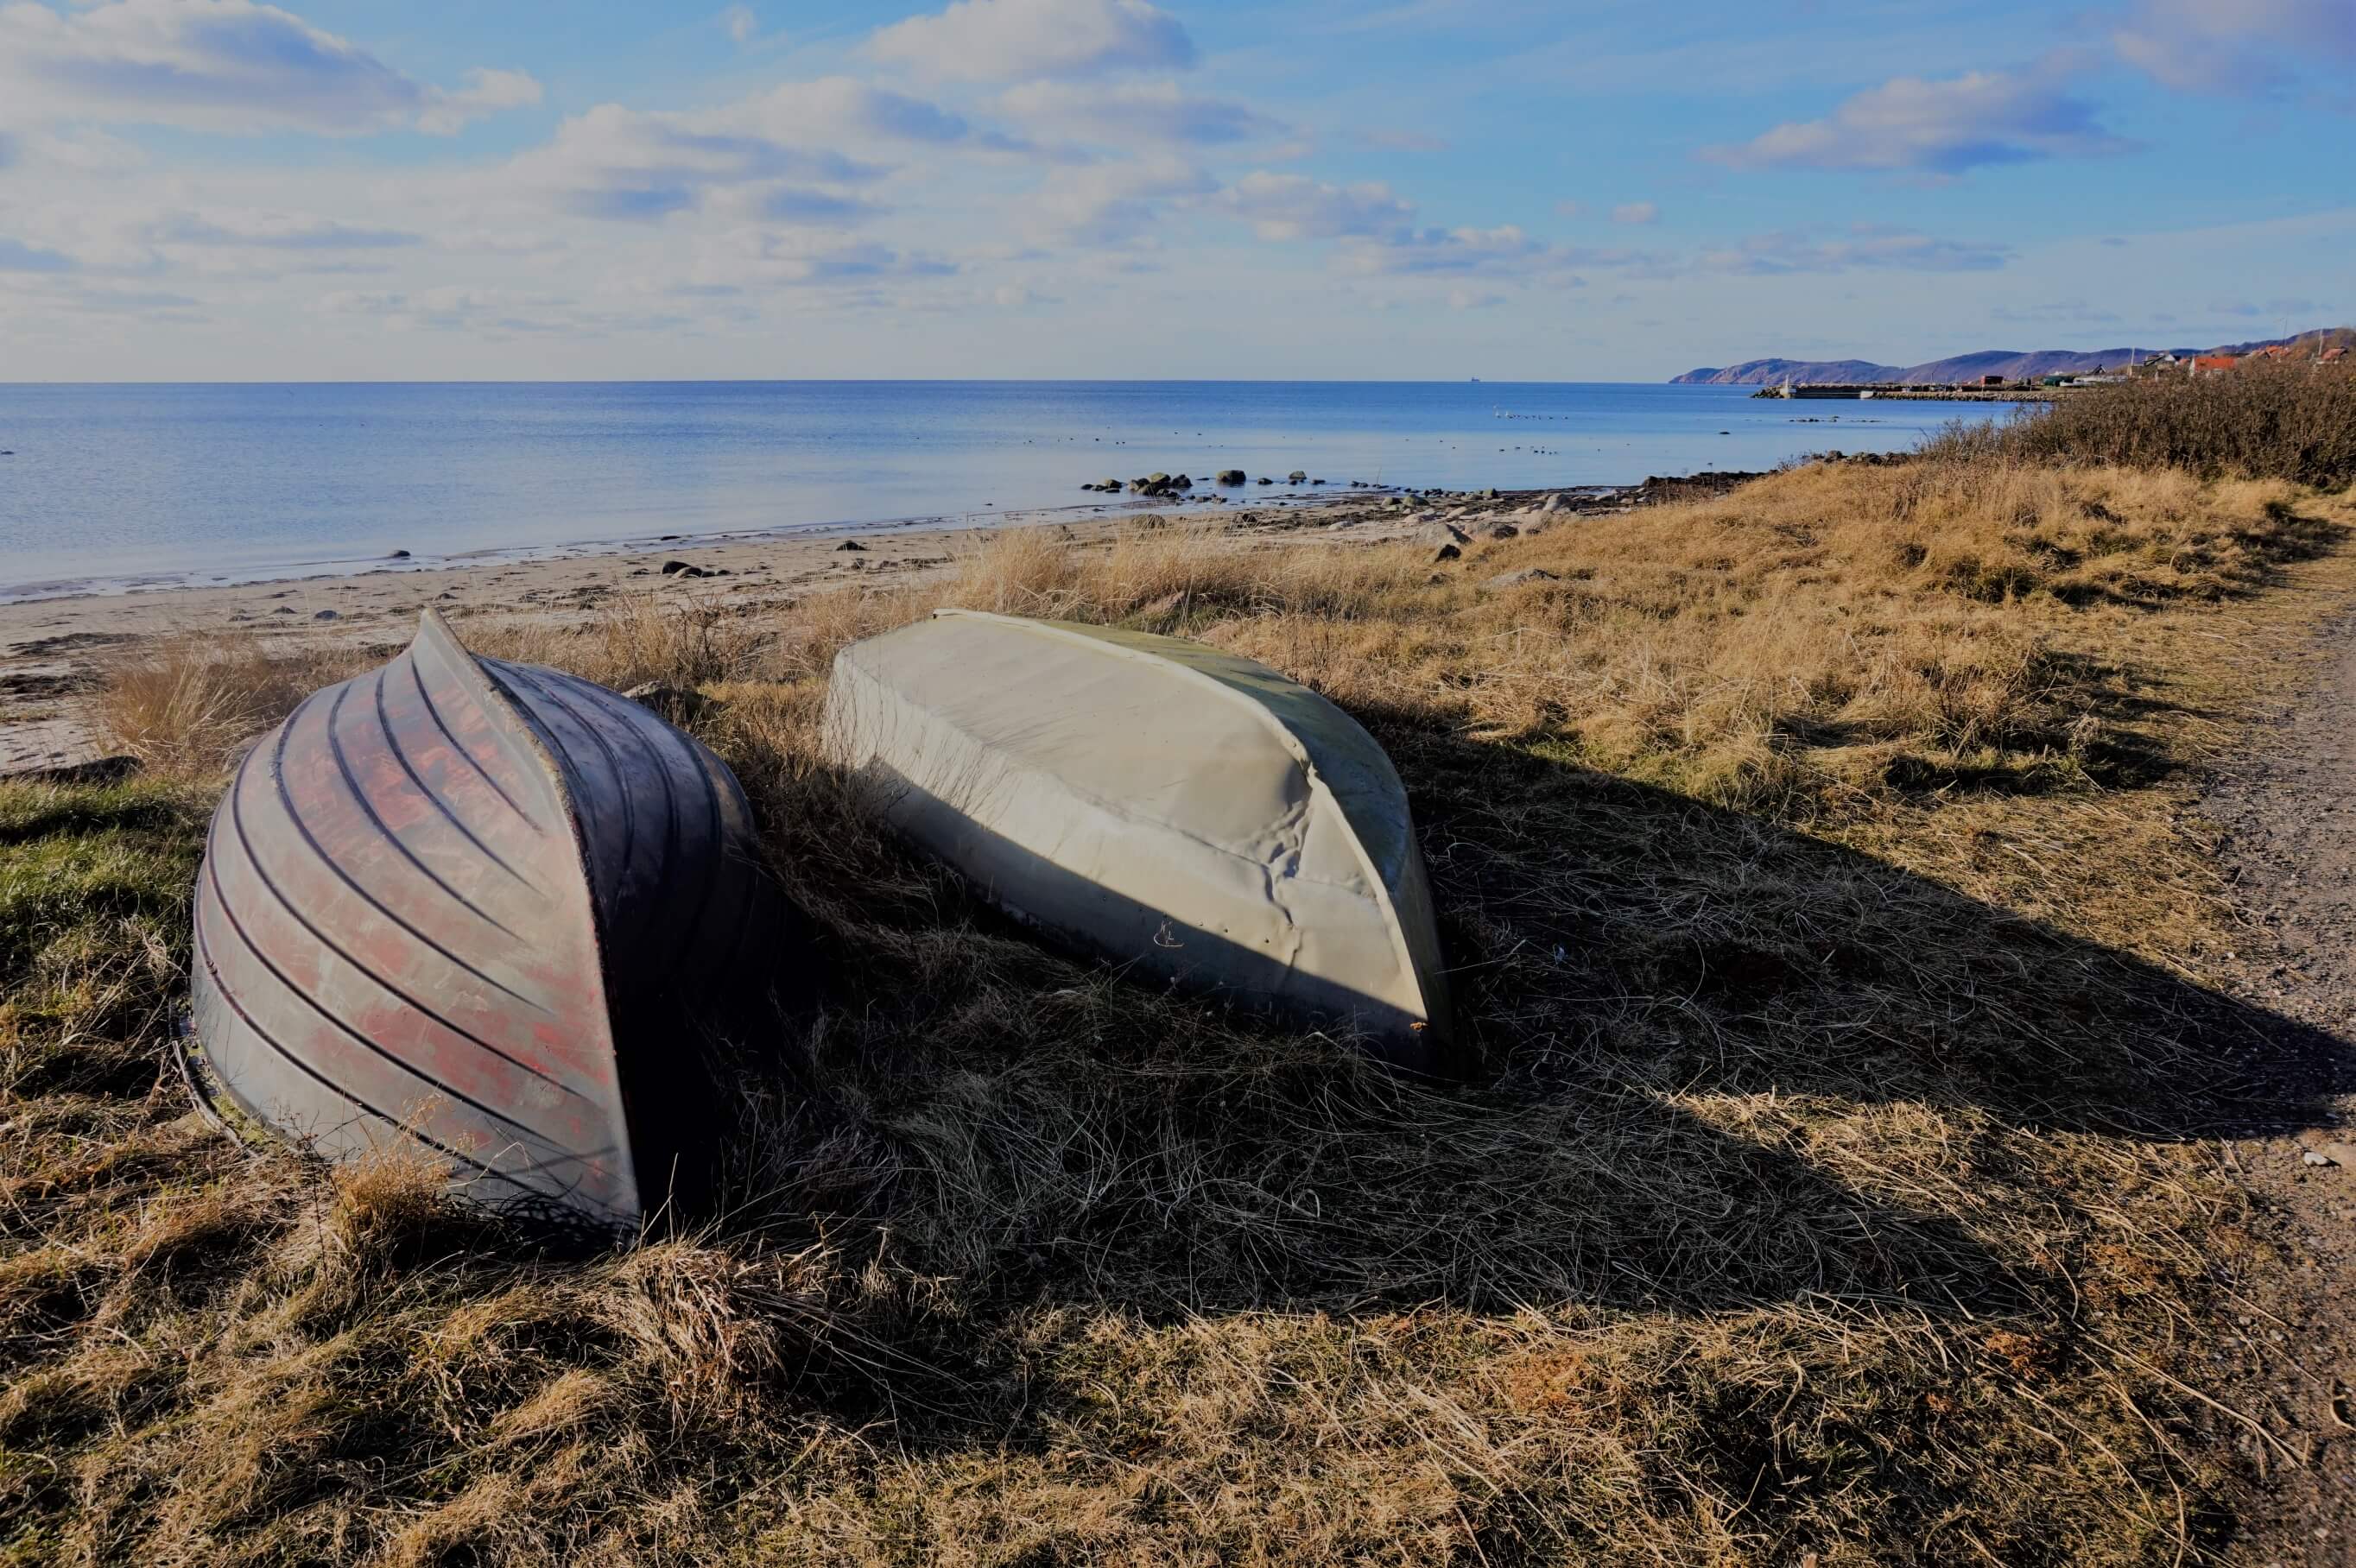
x,y
1163,803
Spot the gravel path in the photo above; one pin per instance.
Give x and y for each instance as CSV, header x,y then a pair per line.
x,y
2288,812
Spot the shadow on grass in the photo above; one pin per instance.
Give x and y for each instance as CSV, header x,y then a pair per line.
x,y
1727,1066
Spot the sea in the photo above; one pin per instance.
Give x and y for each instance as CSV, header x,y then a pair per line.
x,y
125,487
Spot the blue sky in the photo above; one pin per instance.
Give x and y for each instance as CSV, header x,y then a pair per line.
x,y
205,189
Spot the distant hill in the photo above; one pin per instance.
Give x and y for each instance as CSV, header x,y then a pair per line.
x,y
2010,363
1772,372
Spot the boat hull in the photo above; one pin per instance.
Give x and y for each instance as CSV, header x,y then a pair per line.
x,y
1179,810
445,902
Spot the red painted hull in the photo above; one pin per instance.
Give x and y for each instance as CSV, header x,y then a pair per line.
x,y
448,899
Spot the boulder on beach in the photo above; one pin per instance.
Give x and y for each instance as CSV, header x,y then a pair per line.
x,y
1298,476
1231,475
850,545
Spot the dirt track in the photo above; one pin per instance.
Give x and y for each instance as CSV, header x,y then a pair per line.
x,y
2289,817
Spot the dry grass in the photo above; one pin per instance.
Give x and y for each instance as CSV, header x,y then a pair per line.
x,y
184,706
2263,420
1815,868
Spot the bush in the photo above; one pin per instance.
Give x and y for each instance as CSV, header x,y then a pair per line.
x,y
2258,422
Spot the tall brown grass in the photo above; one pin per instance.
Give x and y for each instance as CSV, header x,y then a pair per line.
x,y
184,706
1814,869
2262,420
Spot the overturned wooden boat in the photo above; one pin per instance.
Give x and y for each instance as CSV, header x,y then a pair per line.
x,y
454,900
1159,802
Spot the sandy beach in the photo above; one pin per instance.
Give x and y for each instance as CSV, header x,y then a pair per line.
x,y
54,651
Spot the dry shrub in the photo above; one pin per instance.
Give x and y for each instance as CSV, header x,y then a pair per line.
x,y
1168,576
632,641
2260,421
183,706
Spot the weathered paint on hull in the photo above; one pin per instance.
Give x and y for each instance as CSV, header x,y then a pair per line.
x,y
1176,808
443,901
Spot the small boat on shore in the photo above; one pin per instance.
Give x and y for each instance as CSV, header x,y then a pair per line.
x,y
456,900
1164,803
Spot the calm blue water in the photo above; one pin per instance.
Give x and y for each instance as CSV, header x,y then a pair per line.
x,y
137,484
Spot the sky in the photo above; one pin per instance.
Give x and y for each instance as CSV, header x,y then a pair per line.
x,y
1400,189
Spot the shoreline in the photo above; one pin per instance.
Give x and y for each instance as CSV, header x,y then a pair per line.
x,y
54,649
173,582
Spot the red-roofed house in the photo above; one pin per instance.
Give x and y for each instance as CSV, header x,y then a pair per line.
x,y
2211,364
2338,351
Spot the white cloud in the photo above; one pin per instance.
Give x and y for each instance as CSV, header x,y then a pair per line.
x,y
1636,212
753,258
2234,45
618,163
220,65
1023,40
272,230
1132,111
1504,252
1379,236
491,313
82,150
1294,206
740,23
1935,127
1111,204
786,146
485,92
1867,245
841,108
15,256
